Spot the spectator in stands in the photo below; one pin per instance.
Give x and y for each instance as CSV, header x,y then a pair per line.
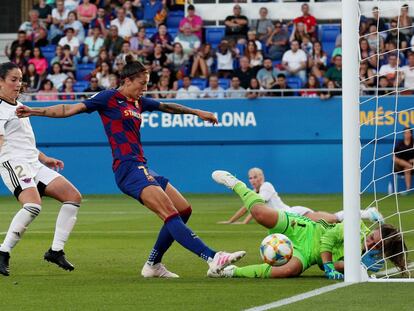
x,y
395,35
118,66
22,42
57,76
32,79
295,61
68,62
70,40
188,91
129,10
383,84
267,75
172,81
390,70
374,39
330,85
310,86
214,90
41,38
190,42
150,8
71,5
366,53
93,45
277,42
281,85
39,61
32,25
236,26
255,57
178,60
113,81
225,55
86,12
93,86
141,45
121,58
163,86
195,22
113,42
308,20
235,90
404,157
158,59
103,56
263,26
306,45
59,18
254,87
334,73
367,77
47,92
104,71
164,38
102,21
57,58
45,12
125,25
406,22
407,75
67,90
79,31
251,36
298,33
244,72
19,59
377,20
202,62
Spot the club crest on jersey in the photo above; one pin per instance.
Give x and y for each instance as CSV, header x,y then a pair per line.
x,y
131,114
27,180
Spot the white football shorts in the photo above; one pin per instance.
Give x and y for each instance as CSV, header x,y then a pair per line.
x,y
300,210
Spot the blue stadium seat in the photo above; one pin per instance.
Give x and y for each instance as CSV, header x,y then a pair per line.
x,y
224,83
214,35
149,32
174,18
199,82
80,86
173,32
48,51
294,82
327,36
83,70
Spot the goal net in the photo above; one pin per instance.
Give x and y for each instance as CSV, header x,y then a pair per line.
x,y
386,104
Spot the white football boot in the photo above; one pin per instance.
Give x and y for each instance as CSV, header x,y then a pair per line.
x,y
225,178
157,271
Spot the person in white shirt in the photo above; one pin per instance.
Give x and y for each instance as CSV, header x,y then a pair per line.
x,y
272,199
235,90
390,70
29,174
126,26
214,90
188,91
295,60
408,74
93,44
59,19
70,40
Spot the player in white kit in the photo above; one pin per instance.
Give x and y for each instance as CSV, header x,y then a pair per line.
x,y
29,174
272,199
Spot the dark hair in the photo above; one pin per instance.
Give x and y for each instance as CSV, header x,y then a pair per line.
x,y
5,68
393,246
132,69
281,75
42,85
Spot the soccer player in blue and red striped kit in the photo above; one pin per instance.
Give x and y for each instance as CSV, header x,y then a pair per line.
x,y
120,110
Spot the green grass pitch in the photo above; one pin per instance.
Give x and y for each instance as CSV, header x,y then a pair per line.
x,y
114,235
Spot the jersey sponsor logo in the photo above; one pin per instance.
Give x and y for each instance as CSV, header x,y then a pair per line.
x,y
27,180
131,114
120,101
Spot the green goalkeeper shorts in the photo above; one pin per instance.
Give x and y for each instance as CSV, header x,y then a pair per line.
x,y
300,230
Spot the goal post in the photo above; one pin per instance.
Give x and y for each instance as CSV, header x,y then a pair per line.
x,y
350,140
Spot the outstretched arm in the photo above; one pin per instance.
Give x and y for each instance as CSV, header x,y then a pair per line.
x,y
180,109
52,163
57,111
235,217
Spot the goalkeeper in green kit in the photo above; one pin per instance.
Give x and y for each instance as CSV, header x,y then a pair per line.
x,y
313,242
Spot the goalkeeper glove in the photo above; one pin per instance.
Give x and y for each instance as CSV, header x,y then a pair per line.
x,y
372,260
330,271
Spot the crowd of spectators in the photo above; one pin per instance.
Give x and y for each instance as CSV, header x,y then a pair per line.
x,y
254,58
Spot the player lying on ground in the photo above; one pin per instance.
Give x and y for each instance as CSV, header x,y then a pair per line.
x,y
120,111
29,174
272,199
313,242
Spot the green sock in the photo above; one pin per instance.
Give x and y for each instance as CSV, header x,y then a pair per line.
x,y
254,271
249,197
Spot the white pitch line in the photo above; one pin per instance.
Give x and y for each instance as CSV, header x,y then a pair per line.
x,y
138,232
293,299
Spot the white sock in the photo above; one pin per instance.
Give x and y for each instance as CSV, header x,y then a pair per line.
x,y
340,216
64,224
19,224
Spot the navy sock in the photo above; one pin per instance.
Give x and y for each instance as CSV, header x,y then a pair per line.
x,y
165,240
187,238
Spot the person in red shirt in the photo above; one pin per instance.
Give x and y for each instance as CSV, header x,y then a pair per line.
x,y
308,20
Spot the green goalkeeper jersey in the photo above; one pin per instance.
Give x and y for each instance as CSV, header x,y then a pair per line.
x,y
310,238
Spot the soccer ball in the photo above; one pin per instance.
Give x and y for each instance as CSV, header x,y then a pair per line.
x,y
276,249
